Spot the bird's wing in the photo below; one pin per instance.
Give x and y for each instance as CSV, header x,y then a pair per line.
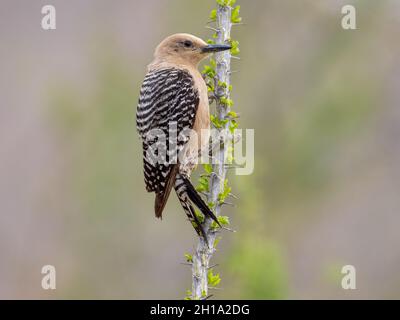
x,y
167,97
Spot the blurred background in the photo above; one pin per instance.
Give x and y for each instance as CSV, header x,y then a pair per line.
x,y
324,103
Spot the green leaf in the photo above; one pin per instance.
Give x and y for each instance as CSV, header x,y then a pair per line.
x,y
226,2
235,17
222,84
213,15
213,279
209,71
202,184
232,114
208,168
201,188
213,63
222,195
199,216
217,122
188,295
189,258
223,220
211,204
233,126
226,101
216,241
235,47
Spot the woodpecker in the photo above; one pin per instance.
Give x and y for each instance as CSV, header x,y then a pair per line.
x,y
174,95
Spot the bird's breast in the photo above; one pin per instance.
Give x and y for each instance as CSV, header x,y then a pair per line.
x,y
202,120
198,141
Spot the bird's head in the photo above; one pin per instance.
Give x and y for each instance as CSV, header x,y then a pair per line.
x,y
183,48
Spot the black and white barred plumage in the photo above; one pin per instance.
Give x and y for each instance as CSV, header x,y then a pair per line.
x,y
168,102
169,97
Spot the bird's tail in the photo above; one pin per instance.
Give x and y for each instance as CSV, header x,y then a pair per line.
x,y
187,195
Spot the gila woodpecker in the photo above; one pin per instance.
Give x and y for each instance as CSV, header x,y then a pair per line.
x,y
174,98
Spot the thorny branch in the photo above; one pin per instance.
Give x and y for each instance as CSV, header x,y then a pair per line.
x,y
216,179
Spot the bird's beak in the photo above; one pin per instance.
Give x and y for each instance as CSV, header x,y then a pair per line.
x,y
216,48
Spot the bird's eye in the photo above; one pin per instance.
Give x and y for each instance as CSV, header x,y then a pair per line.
x,y
188,44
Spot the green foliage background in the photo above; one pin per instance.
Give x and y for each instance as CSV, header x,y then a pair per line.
x,y
319,98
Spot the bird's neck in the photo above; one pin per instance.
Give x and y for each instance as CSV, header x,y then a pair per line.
x,y
175,62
